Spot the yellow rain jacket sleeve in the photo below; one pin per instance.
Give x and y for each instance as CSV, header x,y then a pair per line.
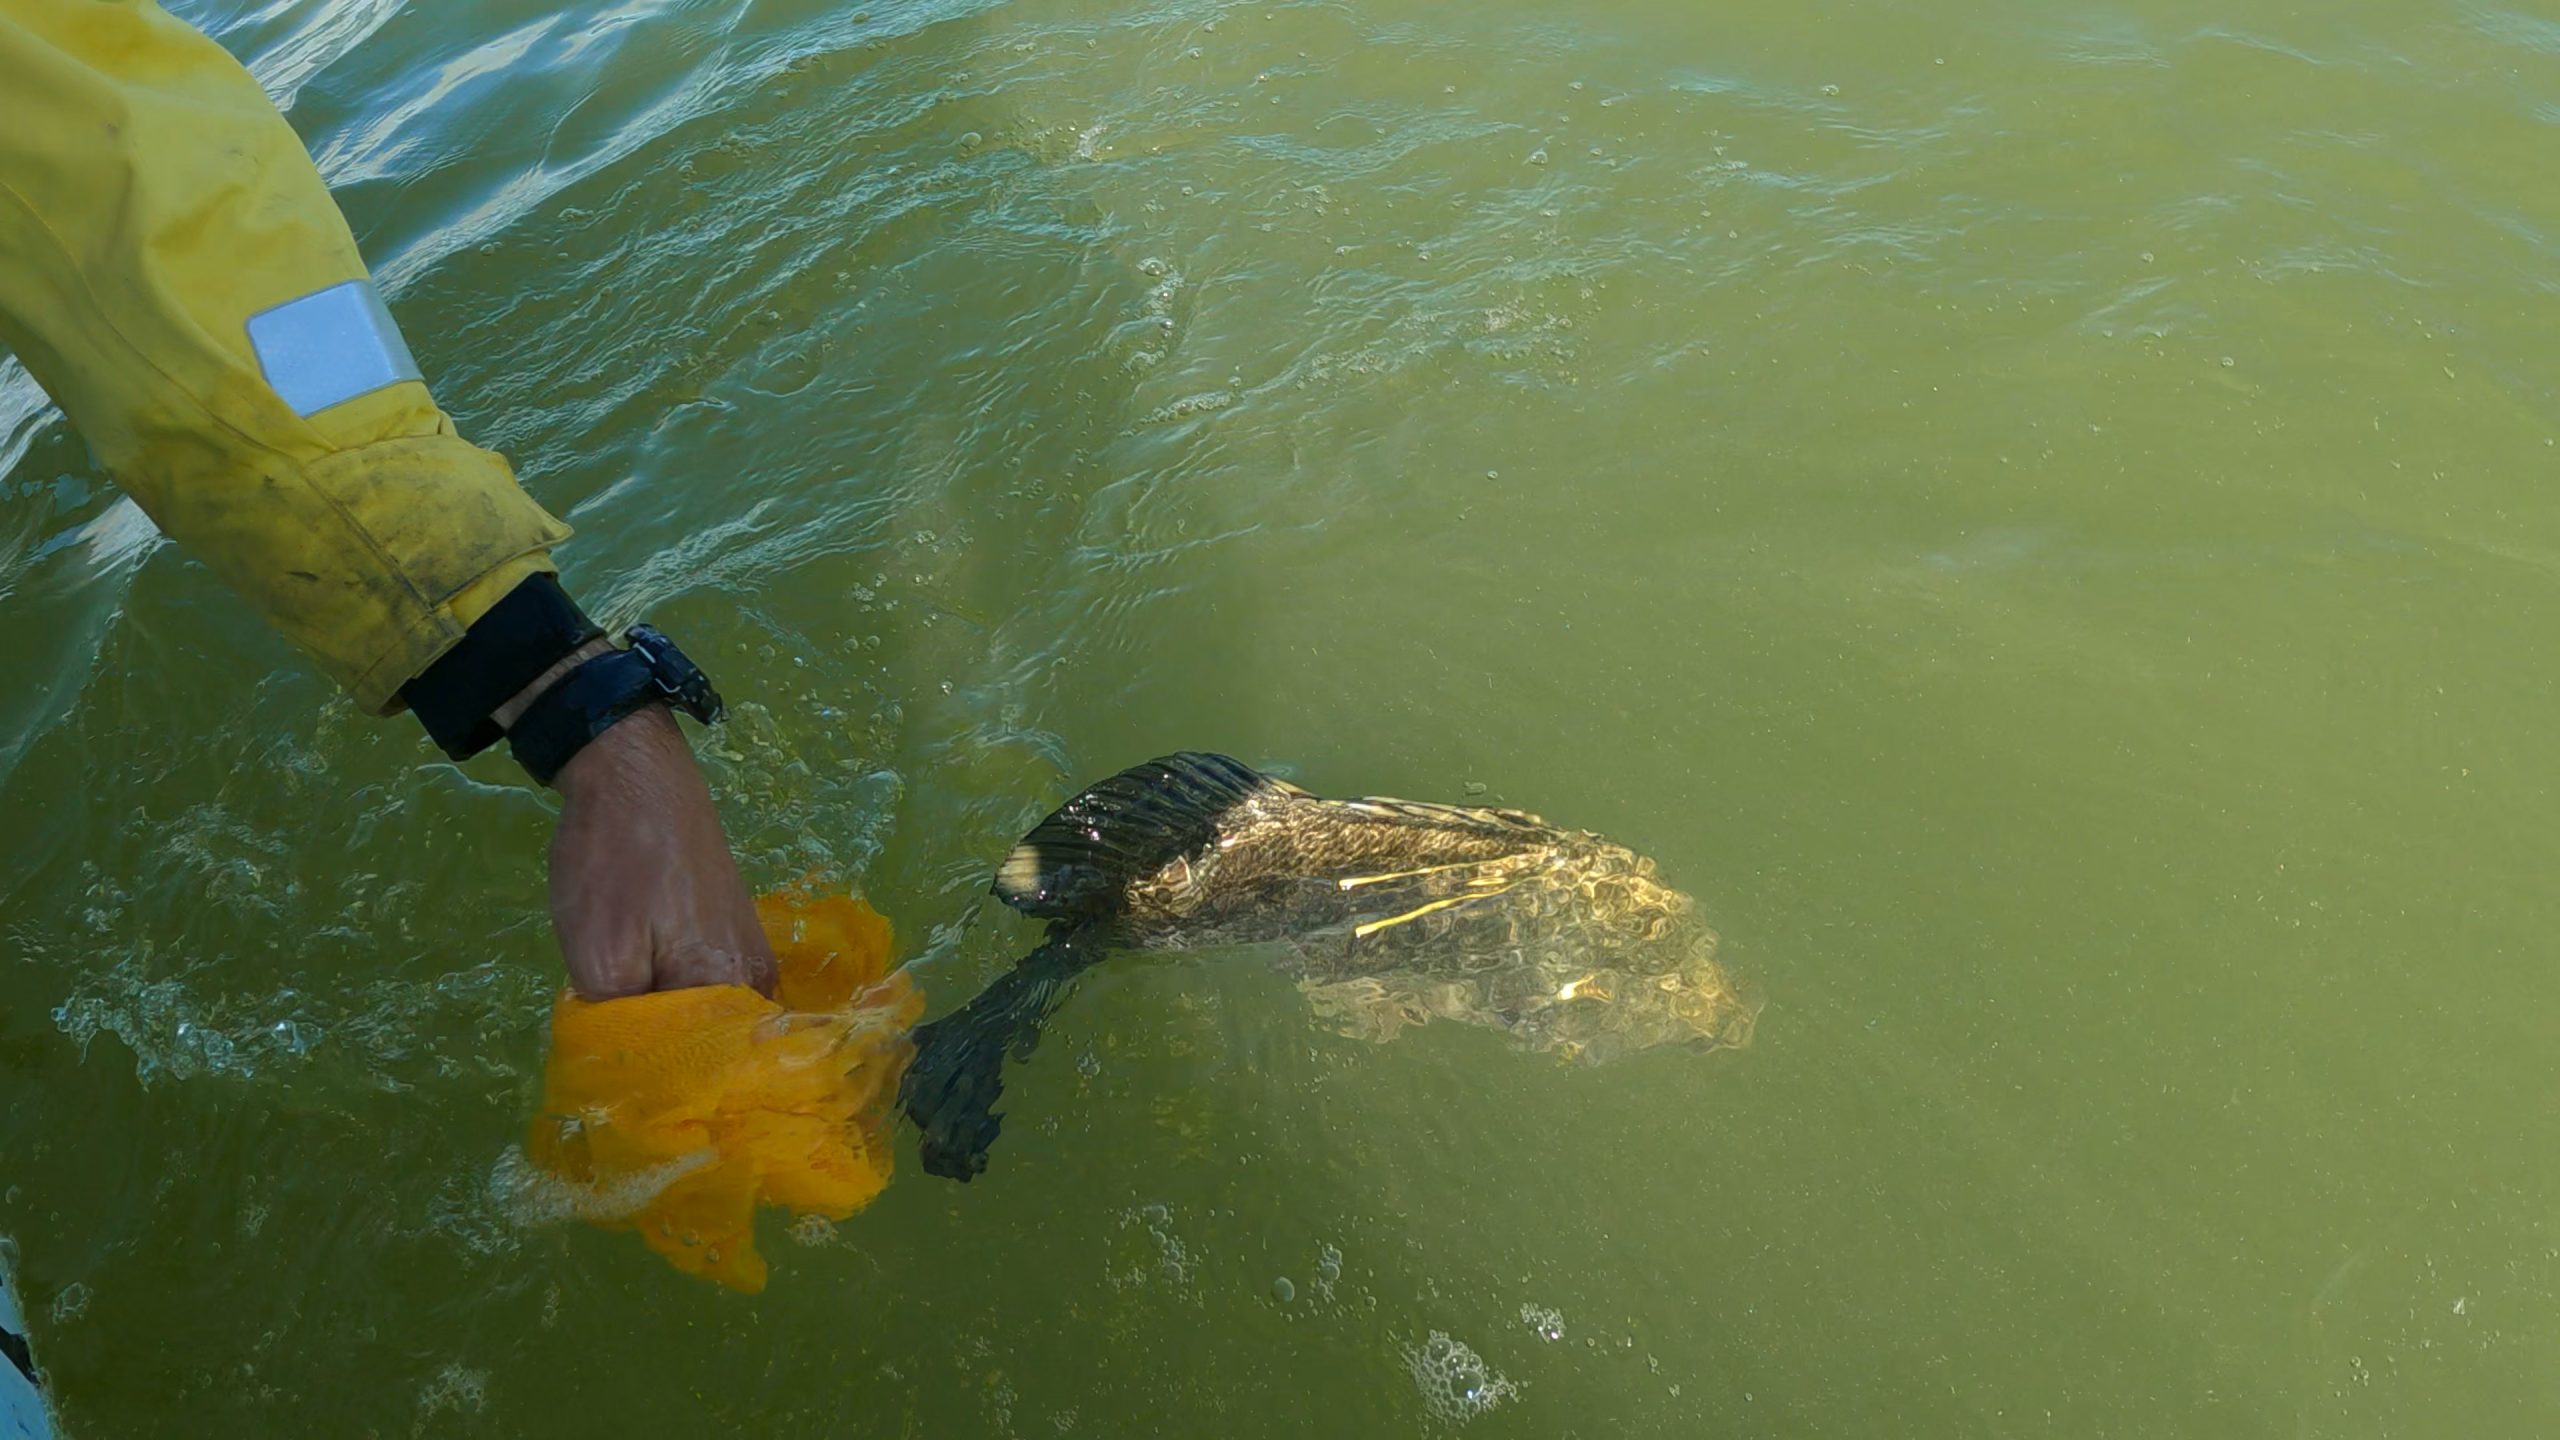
x,y
152,201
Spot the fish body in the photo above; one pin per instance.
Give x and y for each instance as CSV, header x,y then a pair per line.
x,y
1389,913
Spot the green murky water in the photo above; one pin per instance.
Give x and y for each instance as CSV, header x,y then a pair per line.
x,y
2042,517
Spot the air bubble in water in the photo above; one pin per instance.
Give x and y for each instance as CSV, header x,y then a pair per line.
x,y
1548,1323
1173,1263
1454,1383
457,1388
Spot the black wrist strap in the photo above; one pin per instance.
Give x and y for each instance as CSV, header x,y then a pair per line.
x,y
505,650
582,705
601,693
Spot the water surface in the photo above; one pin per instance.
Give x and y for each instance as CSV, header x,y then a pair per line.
x,y
2040,516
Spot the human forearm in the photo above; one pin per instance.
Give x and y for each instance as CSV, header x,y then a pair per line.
x,y
174,272
163,237
644,893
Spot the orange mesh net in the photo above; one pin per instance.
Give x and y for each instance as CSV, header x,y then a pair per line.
x,y
677,1113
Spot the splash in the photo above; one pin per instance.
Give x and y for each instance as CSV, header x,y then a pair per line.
x,y
458,1388
531,1195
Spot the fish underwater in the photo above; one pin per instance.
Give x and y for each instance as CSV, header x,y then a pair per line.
x,y
1389,913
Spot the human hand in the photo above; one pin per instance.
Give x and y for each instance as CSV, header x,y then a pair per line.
x,y
745,1102
644,892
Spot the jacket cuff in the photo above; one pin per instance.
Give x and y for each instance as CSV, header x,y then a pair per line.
x,y
505,650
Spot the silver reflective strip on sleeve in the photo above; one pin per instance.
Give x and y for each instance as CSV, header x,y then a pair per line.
x,y
330,346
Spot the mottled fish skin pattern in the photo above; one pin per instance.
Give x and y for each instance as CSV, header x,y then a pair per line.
x,y
1389,913
1393,912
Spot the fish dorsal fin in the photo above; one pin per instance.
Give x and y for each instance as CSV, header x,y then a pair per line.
x,y
1079,863
1459,817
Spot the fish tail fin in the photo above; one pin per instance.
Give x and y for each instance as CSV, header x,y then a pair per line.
x,y
951,1085
1078,864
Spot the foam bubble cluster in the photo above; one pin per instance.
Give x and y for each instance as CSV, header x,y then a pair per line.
x,y
1172,1264
1456,1386
456,1388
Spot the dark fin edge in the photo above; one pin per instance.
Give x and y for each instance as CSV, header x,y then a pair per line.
x,y
1080,862
951,1085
